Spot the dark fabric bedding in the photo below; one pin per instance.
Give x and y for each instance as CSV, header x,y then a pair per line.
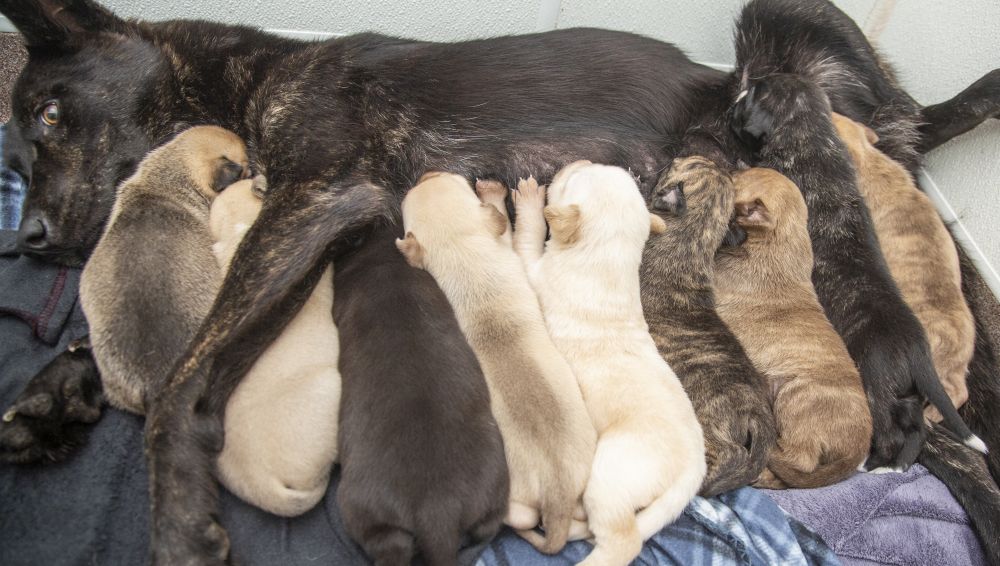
x,y
93,507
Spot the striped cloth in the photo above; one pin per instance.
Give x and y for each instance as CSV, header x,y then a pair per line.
x,y
12,191
742,527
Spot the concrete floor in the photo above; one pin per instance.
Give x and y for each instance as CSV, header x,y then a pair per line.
x,y
13,57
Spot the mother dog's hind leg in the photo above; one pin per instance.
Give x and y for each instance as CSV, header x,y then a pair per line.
x,y
274,271
966,110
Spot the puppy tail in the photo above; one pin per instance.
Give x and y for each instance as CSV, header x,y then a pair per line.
x,y
930,386
666,508
438,544
557,518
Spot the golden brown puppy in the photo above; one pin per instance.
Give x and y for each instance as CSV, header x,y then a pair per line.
x,y
548,437
281,421
765,295
921,256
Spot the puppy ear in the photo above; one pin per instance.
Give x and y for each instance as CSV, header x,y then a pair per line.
x,y
411,250
495,220
564,223
226,173
656,224
754,214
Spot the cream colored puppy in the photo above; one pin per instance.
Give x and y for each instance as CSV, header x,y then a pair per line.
x,y
281,421
650,458
547,434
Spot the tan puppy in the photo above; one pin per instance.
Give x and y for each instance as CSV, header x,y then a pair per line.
x,y
920,254
152,277
281,421
547,434
764,293
650,456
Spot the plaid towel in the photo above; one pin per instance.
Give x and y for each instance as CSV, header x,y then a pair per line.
x,y
742,527
12,191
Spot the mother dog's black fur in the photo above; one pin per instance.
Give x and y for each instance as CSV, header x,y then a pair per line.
x,y
421,456
330,123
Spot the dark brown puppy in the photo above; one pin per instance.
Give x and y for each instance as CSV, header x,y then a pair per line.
x,y
786,119
730,397
422,460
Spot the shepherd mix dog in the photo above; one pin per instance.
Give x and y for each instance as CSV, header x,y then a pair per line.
x,y
342,128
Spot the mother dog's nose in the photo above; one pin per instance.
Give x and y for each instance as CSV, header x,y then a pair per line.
x,y
33,234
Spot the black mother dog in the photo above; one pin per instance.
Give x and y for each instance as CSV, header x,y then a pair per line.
x,y
341,129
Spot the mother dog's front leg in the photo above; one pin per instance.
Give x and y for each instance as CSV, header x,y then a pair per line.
x,y
274,270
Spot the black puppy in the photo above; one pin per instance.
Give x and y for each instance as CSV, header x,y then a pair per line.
x,y
327,123
785,118
422,460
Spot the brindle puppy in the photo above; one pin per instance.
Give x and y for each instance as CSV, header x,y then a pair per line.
x,y
764,294
731,399
920,254
422,460
786,119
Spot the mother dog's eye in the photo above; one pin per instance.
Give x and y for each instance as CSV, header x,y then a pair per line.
x,y
50,113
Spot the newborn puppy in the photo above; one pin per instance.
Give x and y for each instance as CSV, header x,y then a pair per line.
x,y
766,297
547,434
785,120
730,397
152,277
920,254
281,421
650,457
422,460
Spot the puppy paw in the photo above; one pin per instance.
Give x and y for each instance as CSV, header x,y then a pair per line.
x,y
490,191
770,105
530,193
50,417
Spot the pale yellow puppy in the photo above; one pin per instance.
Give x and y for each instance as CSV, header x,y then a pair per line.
x,y
650,458
921,257
281,421
547,434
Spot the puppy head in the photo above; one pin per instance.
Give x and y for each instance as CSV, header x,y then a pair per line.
x,y
859,138
589,202
767,203
214,157
441,209
233,212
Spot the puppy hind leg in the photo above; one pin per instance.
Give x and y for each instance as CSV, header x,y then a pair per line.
x,y
273,273
529,237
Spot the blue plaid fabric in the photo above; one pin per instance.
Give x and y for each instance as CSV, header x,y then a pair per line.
x,y
742,527
12,191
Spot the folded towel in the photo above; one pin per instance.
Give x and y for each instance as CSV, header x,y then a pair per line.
x,y
906,518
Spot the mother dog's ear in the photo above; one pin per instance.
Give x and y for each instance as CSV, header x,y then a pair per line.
x,y
54,23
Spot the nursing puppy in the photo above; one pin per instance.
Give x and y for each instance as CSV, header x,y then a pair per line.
x,y
730,397
547,434
785,120
152,277
650,457
281,421
920,254
422,460
765,295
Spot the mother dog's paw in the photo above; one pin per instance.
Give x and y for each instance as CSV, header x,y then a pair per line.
x,y
51,416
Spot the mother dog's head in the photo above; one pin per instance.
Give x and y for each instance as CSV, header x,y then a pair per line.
x,y
84,112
